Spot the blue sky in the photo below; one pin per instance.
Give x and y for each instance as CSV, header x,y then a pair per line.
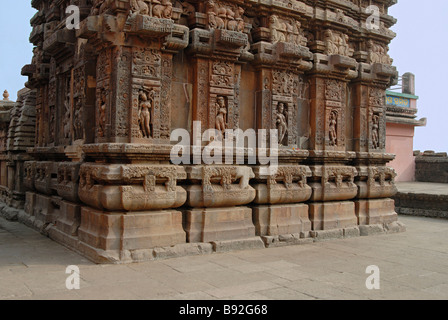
x,y
420,48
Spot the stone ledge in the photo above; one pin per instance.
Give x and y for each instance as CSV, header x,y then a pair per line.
x,y
423,212
351,232
287,239
9,213
240,244
343,233
371,230
323,235
395,227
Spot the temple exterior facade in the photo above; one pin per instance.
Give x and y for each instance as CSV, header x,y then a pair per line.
x,y
109,94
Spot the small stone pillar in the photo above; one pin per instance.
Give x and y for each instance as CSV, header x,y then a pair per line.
x,y
408,83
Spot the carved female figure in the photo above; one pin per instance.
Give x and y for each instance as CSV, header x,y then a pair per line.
x,y
78,122
144,114
375,131
102,115
222,114
333,123
281,123
67,118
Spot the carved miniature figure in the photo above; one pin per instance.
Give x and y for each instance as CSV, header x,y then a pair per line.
x,y
222,115
299,39
278,29
281,123
100,6
215,20
139,7
330,43
144,114
162,9
333,123
240,21
52,123
375,131
102,115
67,118
78,123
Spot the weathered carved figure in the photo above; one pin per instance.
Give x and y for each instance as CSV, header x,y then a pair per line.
x,y
100,6
333,123
102,114
145,114
222,114
67,118
163,9
216,18
278,29
78,123
281,123
375,131
139,7
378,53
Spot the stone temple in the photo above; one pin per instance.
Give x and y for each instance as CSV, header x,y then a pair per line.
x,y
87,148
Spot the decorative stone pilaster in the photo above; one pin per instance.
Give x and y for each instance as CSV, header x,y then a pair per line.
x,y
373,206
216,47
332,181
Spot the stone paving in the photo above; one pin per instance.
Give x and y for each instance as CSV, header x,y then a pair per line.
x,y
423,188
413,265
423,199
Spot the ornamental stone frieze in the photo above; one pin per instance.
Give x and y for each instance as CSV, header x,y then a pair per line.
x,y
131,187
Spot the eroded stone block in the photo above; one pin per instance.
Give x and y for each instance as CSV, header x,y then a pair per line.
x,y
375,211
284,219
218,224
332,215
131,231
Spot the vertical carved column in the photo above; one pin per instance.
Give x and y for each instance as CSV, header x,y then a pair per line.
x,y
133,193
281,58
331,211
121,89
375,181
103,95
220,194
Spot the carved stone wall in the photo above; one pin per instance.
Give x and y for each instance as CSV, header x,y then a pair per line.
x,y
109,95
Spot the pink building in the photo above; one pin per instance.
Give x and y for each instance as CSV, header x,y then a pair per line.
x,y
401,110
